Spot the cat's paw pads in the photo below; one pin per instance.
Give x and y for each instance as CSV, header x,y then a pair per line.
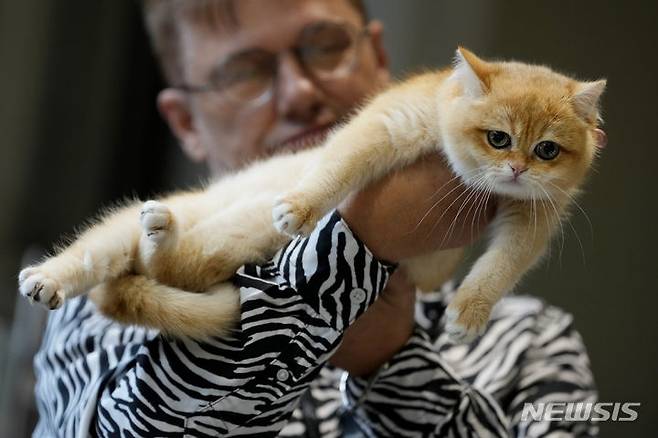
x,y
466,321
291,216
39,288
156,220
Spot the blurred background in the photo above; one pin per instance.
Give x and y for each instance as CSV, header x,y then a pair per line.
x,y
79,129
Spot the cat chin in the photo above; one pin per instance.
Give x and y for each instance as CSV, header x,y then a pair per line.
x,y
515,190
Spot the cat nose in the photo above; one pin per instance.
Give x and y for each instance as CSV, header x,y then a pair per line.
x,y
517,169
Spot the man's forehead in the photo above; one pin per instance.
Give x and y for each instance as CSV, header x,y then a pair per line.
x,y
269,24
231,15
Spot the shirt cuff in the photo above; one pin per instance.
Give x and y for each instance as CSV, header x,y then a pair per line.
x,y
333,271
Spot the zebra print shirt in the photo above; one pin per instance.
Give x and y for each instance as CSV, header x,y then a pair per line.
x,y
98,378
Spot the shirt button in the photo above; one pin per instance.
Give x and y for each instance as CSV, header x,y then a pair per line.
x,y
282,375
358,295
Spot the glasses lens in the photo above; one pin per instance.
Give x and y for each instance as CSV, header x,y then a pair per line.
x,y
246,76
327,49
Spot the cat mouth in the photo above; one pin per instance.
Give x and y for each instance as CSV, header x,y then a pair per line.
x,y
507,180
510,186
511,180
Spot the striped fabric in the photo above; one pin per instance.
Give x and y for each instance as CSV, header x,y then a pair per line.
x,y
98,378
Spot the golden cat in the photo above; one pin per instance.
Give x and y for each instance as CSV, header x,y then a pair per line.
x,y
522,132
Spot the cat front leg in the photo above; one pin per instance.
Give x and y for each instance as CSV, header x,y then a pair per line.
x,y
103,252
336,172
391,133
519,239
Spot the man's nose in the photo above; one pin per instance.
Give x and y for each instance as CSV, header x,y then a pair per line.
x,y
298,97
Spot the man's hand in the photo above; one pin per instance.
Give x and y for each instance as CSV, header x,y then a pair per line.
x,y
417,210
381,331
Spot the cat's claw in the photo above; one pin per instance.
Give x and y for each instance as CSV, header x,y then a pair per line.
x,y
38,288
459,332
156,219
284,218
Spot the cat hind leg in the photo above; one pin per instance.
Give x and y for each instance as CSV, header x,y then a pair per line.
x,y
158,235
104,251
39,287
156,220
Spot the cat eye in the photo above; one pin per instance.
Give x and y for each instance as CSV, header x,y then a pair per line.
x,y
547,150
499,139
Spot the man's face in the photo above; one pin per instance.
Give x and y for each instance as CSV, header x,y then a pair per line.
x,y
301,108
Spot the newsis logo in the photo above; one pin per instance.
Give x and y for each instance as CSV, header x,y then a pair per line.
x,y
580,411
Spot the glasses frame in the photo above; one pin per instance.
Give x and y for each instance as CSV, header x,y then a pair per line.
x,y
359,35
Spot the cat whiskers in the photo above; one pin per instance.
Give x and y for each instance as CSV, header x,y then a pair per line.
x,y
533,212
568,220
427,213
489,192
480,205
472,190
558,218
575,232
575,202
448,182
463,184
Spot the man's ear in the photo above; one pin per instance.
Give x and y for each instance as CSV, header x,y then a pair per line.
x,y
376,31
175,108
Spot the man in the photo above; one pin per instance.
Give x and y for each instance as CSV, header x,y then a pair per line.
x,y
249,79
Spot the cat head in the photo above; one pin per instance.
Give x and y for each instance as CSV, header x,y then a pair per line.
x,y
520,130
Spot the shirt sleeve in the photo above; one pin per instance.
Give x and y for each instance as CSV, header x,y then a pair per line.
x,y
418,394
96,376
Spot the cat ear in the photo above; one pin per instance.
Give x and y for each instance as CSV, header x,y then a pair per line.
x,y
471,72
586,99
600,138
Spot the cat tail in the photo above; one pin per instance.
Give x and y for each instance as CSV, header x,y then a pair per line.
x,y
139,300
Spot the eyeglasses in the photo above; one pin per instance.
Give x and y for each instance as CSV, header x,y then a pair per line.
x,y
325,51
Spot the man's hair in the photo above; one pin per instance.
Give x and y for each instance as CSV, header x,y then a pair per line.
x,y
163,20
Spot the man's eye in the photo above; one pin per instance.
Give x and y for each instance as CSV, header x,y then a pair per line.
x,y
244,81
325,58
233,76
329,46
244,67
325,47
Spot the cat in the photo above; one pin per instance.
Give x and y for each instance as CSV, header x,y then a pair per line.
x,y
520,132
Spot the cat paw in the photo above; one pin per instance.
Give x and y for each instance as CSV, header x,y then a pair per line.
x,y
466,320
156,220
291,215
38,287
